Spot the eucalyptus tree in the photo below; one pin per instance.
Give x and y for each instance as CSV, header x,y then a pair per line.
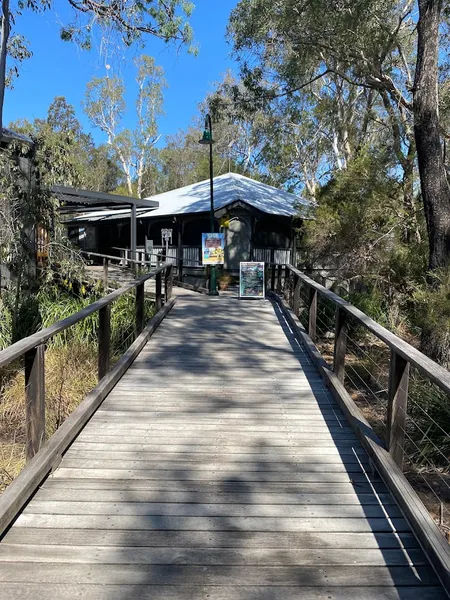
x,y
105,107
131,21
378,46
355,57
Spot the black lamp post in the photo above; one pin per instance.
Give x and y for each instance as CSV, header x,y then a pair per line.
x,y
207,140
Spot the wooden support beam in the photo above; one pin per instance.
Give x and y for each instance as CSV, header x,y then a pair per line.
x,y
158,291
104,340
168,282
312,314
287,288
105,272
139,308
34,400
296,299
397,406
279,277
272,276
340,344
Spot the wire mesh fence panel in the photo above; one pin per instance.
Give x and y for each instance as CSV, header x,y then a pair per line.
x,y
367,375
427,446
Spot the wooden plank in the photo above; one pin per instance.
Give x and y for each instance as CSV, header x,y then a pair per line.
x,y
217,497
164,508
216,475
152,522
231,485
281,469
210,458
217,575
67,591
211,539
23,487
210,556
167,449
34,400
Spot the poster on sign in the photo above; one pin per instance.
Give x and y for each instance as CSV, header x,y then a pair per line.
x,y
251,280
213,248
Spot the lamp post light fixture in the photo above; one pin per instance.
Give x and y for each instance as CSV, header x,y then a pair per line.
x,y
207,140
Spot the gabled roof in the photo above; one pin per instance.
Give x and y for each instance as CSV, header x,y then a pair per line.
x,y
228,188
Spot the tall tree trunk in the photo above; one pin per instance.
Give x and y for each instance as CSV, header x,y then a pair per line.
x,y
4,32
433,179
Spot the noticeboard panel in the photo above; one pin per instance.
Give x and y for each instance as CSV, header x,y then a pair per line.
x,y
213,248
251,280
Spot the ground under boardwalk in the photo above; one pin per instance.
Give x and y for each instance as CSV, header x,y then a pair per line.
x,y
219,468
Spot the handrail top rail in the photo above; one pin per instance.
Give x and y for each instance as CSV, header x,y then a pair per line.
x,y
141,262
120,258
439,375
19,348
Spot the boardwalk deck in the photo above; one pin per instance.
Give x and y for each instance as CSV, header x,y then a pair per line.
x,y
219,468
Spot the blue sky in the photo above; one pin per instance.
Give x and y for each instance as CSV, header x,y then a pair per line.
x,y
62,69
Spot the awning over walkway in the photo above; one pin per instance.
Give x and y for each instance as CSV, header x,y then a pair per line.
x,y
74,200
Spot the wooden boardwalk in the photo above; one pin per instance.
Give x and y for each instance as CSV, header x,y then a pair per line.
x,y
219,468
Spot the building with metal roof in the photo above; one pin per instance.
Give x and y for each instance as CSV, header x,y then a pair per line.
x,y
259,221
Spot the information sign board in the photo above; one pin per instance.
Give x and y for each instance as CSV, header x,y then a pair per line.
x,y
251,280
213,248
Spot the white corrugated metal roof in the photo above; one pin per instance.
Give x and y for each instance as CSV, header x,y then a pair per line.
x,y
228,188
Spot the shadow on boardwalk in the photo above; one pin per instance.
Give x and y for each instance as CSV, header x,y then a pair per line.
x,y
219,468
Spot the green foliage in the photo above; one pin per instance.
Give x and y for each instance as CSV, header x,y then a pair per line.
x,y
132,21
429,410
65,154
5,325
356,216
54,303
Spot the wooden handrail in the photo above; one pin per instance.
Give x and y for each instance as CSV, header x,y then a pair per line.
x,y
386,459
33,348
427,366
19,348
403,355
196,263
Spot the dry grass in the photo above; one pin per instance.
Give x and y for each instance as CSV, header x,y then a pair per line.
x,y
70,373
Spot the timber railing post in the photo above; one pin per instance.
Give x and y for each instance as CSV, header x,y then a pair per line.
x,y
287,286
105,272
272,276
104,340
139,308
397,406
296,299
168,277
340,344
35,400
279,275
312,313
158,291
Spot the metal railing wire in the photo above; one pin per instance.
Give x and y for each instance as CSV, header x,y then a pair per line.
x,y
402,393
